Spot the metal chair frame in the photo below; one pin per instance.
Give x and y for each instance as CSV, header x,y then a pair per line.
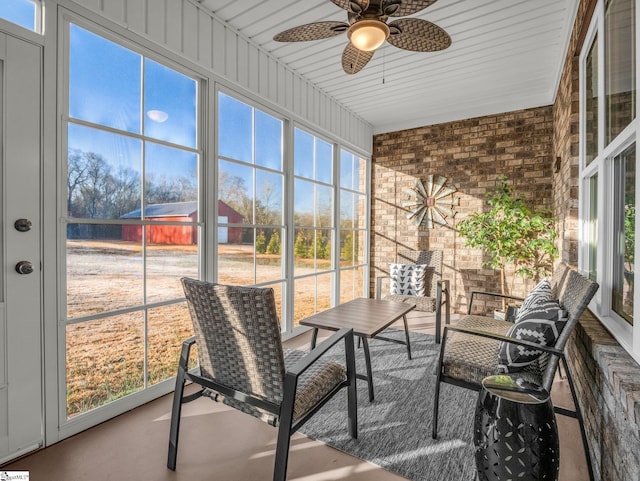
x,y
284,411
559,287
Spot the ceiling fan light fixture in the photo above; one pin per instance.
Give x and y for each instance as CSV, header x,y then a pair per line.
x,y
368,35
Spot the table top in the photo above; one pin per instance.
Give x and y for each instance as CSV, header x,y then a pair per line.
x,y
367,317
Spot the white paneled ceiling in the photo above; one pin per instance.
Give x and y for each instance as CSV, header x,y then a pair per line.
x,y
505,55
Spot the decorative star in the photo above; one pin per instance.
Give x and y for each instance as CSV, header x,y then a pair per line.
x,y
428,203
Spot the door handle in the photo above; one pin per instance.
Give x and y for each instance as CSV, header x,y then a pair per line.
x,y
22,225
24,267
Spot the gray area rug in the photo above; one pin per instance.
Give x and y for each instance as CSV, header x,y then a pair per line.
x,y
394,431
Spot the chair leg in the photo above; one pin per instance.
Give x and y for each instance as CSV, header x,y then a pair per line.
x,y
406,335
436,395
175,417
579,418
436,401
284,429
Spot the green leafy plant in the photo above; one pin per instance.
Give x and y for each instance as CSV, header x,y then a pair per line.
x,y
512,233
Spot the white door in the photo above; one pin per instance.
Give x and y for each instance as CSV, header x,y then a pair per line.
x,y
21,400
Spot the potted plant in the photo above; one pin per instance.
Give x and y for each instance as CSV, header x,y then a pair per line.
x,y
512,233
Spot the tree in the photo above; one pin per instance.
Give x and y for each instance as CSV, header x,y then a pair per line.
x,y
512,233
301,246
261,243
347,248
274,244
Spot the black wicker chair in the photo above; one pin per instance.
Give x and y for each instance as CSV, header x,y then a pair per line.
x,y
242,361
437,289
469,349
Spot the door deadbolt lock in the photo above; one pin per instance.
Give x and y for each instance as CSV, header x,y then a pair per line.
x,y
22,225
24,267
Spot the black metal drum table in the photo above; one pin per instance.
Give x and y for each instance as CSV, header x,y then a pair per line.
x,y
515,431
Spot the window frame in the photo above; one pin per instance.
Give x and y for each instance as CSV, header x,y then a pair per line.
x,y
628,335
150,389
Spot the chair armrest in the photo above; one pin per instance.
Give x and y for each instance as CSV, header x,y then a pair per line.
x,y
184,353
499,337
379,285
307,361
491,294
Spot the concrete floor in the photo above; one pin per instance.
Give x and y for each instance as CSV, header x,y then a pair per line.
x,y
219,443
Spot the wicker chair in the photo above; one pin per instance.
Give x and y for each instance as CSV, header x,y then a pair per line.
x,y
242,361
469,349
437,289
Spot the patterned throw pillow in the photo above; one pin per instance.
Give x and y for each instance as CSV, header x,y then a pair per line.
x,y
542,323
407,279
540,293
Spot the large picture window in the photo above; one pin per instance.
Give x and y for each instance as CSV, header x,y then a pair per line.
x,y
609,179
251,233
314,224
352,226
132,216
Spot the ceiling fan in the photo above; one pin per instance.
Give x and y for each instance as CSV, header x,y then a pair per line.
x,y
367,30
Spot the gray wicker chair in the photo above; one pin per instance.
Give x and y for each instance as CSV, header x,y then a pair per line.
x,y
437,289
469,349
242,361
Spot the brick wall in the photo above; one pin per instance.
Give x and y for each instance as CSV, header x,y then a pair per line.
x,y
472,154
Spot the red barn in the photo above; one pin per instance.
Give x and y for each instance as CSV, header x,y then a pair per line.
x,y
180,235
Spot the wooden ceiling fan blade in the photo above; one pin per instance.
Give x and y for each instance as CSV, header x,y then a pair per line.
x,y
354,60
418,35
353,6
405,7
312,31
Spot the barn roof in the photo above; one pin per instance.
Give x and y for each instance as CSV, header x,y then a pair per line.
x,y
170,209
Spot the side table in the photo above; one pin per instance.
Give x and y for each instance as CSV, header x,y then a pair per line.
x,y
515,432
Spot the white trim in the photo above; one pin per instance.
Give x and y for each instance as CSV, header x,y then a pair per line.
x,y
627,335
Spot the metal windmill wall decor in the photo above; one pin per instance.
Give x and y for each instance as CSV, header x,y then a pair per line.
x,y
431,202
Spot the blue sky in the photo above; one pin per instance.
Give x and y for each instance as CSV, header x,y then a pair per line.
x,y
21,12
115,87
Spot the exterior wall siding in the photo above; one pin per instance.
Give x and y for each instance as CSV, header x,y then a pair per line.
x,y
190,30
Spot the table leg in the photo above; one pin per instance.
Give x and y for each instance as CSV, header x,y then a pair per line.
x,y
367,361
314,338
406,335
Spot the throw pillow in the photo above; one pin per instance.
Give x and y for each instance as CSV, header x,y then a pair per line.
x,y
542,324
407,279
540,293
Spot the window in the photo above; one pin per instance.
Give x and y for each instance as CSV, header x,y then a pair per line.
x,y
314,224
352,226
251,231
620,66
591,103
624,221
26,13
593,228
132,218
608,136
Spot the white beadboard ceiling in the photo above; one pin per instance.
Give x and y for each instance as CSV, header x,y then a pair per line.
x,y
505,55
